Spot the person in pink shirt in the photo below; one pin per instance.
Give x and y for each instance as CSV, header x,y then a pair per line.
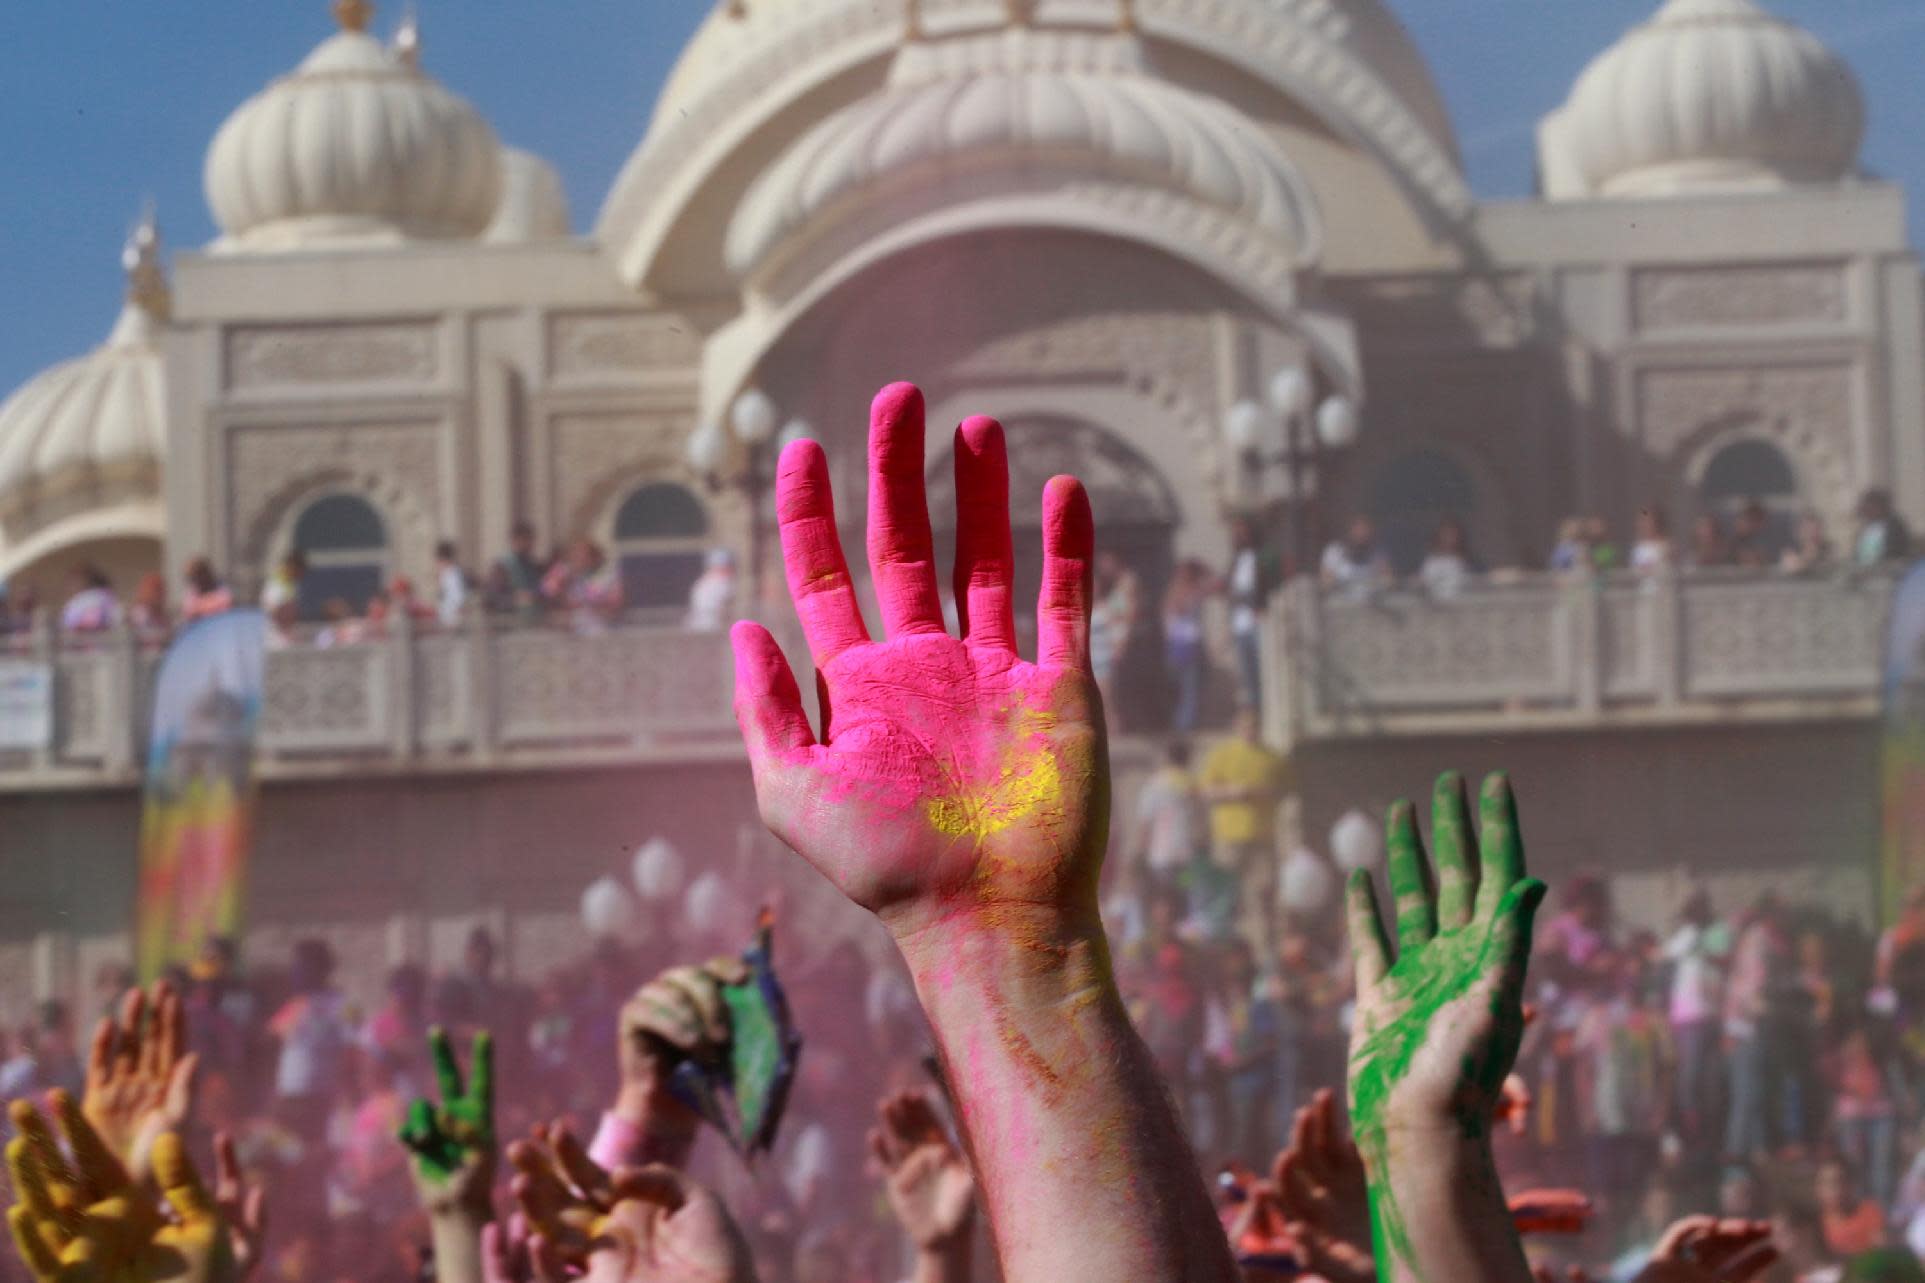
x,y
206,594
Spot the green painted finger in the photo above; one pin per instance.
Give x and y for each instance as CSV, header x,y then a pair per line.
x,y
1369,950
1501,844
417,1126
1414,904
481,1075
447,1074
1509,944
1455,843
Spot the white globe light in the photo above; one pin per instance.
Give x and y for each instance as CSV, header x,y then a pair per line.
x,y
795,430
1356,842
707,449
1289,392
1308,883
753,416
657,871
1337,422
1245,425
607,909
708,904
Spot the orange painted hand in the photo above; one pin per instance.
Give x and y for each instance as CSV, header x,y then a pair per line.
x,y
928,1183
85,1221
950,776
140,1076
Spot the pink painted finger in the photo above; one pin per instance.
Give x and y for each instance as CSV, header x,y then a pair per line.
x,y
1069,555
902,555
825,597
985,561
768,704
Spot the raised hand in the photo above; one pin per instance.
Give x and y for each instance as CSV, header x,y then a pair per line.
x,y
1435,1033
1319,1178
453,1142
643,1225
140,1076
929,1186
1704,1249
242,1206
86,1221
961,793
678,1014
951,776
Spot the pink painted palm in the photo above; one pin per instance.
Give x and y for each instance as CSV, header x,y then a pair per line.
x,y
951,777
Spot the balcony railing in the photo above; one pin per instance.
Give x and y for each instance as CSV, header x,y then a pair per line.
x,y
1549,652
481,696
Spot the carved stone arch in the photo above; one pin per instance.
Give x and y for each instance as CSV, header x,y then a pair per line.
x,y
1823,474
411,530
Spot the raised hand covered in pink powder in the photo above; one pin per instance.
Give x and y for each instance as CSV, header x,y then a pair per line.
x,y
953,777
961,793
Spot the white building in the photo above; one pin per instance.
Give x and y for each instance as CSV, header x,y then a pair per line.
x,y
1105,221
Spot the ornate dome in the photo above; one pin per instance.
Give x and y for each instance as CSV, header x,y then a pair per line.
x,y
995,99
534,205
1707,95
358,145
92,431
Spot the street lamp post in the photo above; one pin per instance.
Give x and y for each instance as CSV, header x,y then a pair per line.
x,y
752,421
1286,431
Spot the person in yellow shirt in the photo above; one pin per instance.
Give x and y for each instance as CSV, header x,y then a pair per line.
x,y
1242,781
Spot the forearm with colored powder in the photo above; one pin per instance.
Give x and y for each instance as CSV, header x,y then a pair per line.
x,y
1440,1189
643,1128
1079,1156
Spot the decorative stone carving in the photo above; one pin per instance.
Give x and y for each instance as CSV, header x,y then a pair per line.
x,y
78,707
406,352
621,343
591,454
1759,295
397,465
1501,645
1780,638
325,699
560,686
1431,311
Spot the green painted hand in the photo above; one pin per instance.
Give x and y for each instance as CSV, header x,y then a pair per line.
x,y
453,1143
1436,1032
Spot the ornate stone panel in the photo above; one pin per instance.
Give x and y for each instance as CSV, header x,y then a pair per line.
x,y
556,685
79,705
1439,654
398,465
586,344
326,699
592,453
1784,639
370,352
1624,652
1757,295
443,687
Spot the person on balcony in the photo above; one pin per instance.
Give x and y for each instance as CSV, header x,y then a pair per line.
x,y
1447,567
1751,538
93,608
1710,550
450,585
1355,566
515,581
1653,554
586,586
1810,549
206,594
284,585
711,599
148,612
1883,537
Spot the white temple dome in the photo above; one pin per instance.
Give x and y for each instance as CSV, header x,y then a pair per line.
x,y
356,145
963,104
534,204
1706,95
92,431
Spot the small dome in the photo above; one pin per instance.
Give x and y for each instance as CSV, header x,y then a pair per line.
x,y
357,145
534,205
92,431
1707,95
963,104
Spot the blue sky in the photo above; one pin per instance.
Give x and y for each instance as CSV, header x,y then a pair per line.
x,y
107,101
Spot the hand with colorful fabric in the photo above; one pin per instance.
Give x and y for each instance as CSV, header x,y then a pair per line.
x,y
961,793
1435,1034
140,1076
679,1014
453,1144
86,1221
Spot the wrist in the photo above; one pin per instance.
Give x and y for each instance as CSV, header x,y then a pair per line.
x,y
1024,953
646,1124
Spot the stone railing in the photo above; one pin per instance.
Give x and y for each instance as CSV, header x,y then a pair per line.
x,y
479,697
1546,652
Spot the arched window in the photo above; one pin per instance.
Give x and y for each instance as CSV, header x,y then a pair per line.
x,y
1749,471
661,535
1410,496
345,542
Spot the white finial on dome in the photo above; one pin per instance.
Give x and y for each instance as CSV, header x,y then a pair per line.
x,y
407,37
1706,95
147,287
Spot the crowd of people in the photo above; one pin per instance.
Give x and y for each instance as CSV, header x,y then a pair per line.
x,y
1066,1047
